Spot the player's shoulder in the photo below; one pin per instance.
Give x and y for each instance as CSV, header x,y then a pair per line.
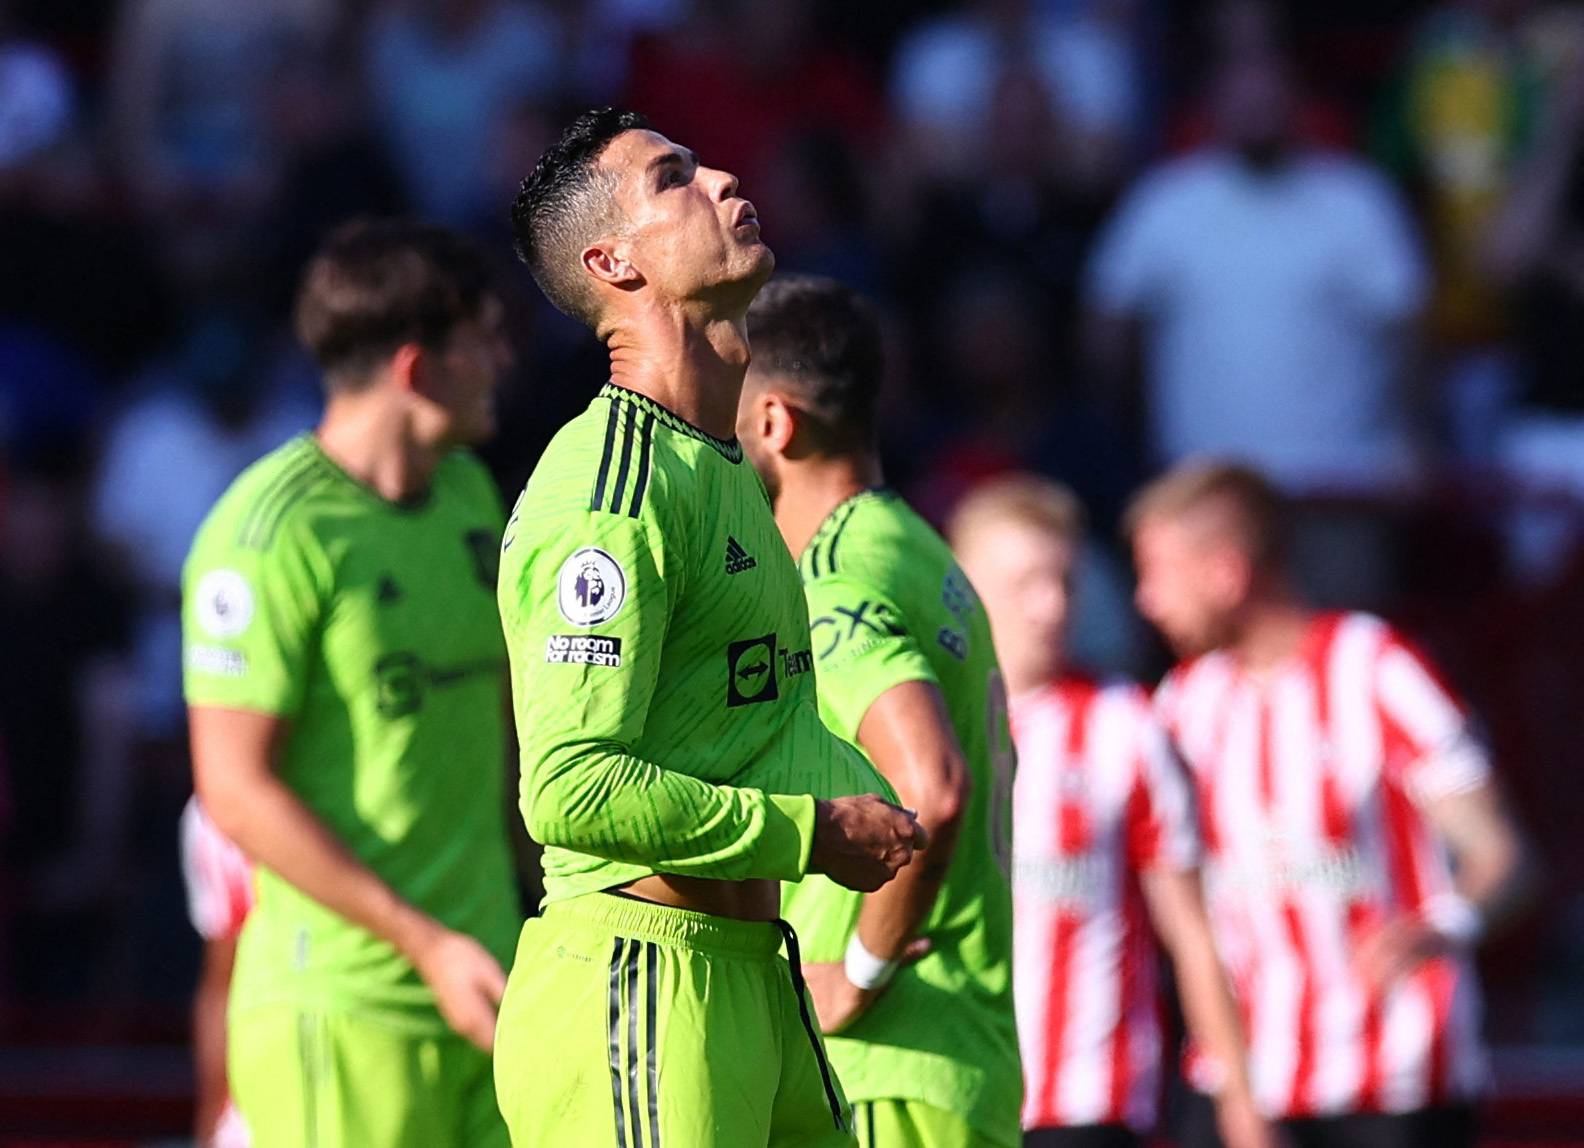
x,y
463,471
1373,642
1124,695
1192,680
624,455
1359,625
265,502
874,537
1084,693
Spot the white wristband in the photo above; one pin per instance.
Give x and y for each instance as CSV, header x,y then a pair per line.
x,y
1455,917
863,968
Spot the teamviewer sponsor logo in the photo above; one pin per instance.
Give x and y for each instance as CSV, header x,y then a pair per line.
x,y
582,650
750,671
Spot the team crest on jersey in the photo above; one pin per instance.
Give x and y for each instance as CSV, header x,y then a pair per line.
x,y
224,603
591,587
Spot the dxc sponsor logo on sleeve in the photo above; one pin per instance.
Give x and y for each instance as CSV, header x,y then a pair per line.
x,y
854,628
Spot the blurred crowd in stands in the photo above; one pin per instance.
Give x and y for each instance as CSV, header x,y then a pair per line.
x,y
1342,241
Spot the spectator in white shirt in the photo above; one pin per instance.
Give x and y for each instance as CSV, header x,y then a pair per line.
x,y
1272,286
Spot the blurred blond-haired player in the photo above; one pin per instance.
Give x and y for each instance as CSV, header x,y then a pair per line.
x,y
1356,845
1104,847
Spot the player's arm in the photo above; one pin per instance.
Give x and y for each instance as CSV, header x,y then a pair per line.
x,y
1163,848
1495,878
251,621
1496,872
878,689
209,1036
586,658
218,899
908,734
1445,769
234,760
1176,907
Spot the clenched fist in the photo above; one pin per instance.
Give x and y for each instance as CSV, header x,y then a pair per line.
x,y
861,842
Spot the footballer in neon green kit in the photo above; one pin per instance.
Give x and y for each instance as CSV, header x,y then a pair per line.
x,y
926,1048
345,673
674,762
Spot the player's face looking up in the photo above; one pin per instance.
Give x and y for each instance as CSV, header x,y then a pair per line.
x,y
686,236
1024,575
1193,579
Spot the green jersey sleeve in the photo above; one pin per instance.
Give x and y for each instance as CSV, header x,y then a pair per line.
x,y
862,647
588,603
251,613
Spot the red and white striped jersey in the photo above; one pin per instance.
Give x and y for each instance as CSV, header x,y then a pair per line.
x,y
1311,781
219,878
1097,800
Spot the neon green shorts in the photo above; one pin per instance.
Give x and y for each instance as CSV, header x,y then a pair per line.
x,y
634,1025
305,1079
910,1124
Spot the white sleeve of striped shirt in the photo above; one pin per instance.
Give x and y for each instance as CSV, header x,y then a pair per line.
x,y
1438,753
218,877
1168,837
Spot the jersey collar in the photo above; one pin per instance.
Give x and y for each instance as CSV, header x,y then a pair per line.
x,y
729,448
819,556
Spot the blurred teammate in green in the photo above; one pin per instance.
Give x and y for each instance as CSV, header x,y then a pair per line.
x,y
674,763
927,1049
345,673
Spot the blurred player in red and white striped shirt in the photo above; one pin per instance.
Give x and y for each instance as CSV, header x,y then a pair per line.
x,y
219,897
1103,845
1335,775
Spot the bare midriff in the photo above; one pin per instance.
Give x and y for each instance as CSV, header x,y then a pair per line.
x,y
755,900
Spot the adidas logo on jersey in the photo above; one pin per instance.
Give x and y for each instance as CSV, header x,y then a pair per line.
x,y
738,559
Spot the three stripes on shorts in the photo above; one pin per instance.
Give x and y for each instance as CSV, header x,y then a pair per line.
x,y
634,1042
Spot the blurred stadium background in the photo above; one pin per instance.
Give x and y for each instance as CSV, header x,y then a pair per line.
x,y
985,168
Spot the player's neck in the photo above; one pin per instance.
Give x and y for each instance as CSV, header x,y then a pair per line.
x,y
1273,629
811,489
690,364
372,440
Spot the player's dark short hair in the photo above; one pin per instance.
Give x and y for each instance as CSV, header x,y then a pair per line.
x,y
377,284
821,341
1257,516
565,204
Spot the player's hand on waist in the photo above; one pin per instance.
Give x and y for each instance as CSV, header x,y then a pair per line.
x,y
466,979
861,842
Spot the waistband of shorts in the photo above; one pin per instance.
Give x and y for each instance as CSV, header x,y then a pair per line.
x,y
680,928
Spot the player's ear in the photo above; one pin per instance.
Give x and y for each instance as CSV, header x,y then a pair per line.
x,y
610,264
779,425
407,367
